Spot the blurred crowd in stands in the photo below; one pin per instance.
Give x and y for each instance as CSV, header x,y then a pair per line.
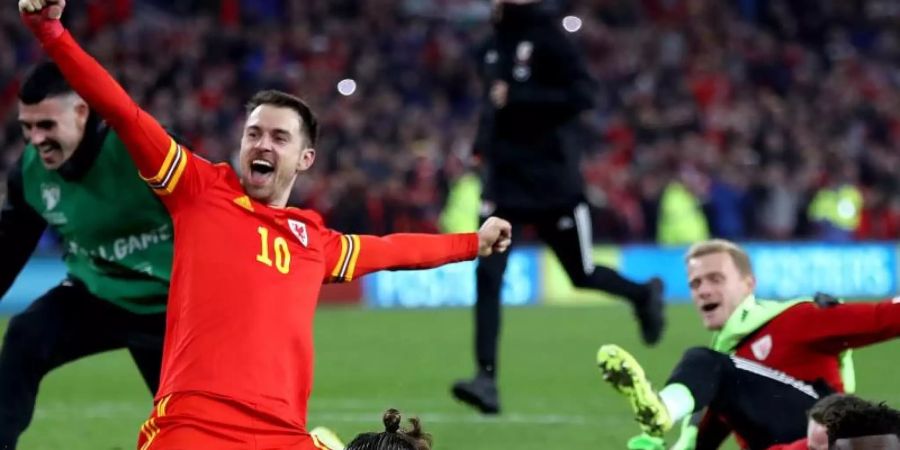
x,y
744,119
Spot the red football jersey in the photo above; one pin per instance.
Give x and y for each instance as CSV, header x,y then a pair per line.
x,y
245,281
805,340
246,277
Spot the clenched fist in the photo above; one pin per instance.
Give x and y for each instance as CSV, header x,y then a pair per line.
x,y
54,7
495,235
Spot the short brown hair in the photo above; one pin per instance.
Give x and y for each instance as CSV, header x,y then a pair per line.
x,y
738,255
308,123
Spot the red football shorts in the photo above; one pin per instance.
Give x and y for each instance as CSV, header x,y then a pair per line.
x,y
197,421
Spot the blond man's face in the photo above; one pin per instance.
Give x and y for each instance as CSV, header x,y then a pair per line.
x,y
717,287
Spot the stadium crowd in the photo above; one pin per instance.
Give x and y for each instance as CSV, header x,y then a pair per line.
x,y
769,123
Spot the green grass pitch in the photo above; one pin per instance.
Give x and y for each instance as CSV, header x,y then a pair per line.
x,y
367,361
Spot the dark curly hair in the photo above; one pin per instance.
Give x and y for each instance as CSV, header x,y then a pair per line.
x,y
848,416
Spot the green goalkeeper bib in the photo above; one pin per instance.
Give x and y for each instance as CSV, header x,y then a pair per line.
x,y
117,235
752,314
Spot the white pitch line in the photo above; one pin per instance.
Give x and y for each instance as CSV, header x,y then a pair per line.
x,y
111,410
422,404
326,417
98,410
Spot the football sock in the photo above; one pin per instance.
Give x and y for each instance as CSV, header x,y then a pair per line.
x,y
678,400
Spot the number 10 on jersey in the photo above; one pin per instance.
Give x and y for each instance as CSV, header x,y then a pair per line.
x,y
282,252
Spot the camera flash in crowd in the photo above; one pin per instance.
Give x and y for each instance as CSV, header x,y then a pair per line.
x,y
572,23
347,87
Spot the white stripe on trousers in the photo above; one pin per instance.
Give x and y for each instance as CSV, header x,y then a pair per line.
x,y
583,228
772,374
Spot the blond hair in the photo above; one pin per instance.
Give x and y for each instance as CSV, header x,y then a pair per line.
x,y
738,255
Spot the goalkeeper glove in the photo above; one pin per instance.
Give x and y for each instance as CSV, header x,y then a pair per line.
x,y
645,441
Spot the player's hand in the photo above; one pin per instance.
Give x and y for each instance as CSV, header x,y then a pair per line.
x,y
495,236
499,93
42,17
47,9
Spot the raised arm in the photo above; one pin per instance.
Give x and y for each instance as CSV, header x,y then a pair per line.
x,y
351,256
160,160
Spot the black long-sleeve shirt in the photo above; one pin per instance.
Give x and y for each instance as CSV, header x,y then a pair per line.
x,y
530,146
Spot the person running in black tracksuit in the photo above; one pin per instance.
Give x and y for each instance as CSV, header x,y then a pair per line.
x,y
537,86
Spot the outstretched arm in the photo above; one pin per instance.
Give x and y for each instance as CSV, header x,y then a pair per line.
x,y
361,255
848,325
160,160
351,256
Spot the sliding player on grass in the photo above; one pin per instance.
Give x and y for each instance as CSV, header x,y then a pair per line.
x,y
769,362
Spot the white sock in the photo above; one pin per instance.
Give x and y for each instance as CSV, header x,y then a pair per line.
x,y
678,400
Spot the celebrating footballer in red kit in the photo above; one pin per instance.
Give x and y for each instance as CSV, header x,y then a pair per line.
x,y
238,356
